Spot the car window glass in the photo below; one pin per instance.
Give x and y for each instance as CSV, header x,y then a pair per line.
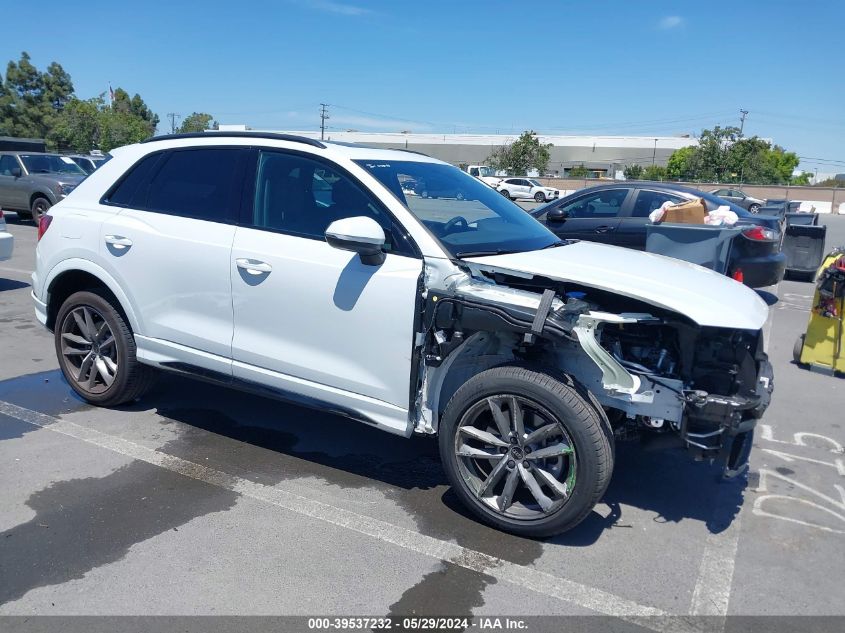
x,y
196,183
135,181
648,201
722,192
297,195
464,214
7,164
602,204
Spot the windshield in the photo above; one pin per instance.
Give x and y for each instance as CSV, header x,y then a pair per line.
x,y
468,217
535,183
50,164
486,171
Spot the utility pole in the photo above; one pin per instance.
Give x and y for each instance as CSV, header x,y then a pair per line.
x,y
324,114
654,153
173,116
742,115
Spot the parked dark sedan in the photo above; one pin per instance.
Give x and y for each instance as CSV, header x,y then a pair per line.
x,y
618,214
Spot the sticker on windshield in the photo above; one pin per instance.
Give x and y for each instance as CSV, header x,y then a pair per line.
x,y
67,160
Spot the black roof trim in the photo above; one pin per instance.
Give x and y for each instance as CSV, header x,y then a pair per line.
x,y
268,135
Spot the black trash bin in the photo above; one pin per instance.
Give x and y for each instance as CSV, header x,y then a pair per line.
x,y
805,219
803,245
708,246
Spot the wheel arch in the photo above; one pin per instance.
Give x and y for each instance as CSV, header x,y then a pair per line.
x,y
47,195
74,275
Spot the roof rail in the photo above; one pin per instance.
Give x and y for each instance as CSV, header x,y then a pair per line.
x,y
410,151
236,134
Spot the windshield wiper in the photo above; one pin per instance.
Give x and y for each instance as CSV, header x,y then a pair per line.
x,y
483,253
553,244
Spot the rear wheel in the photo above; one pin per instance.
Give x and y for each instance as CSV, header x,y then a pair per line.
x,y
506,194
525,451
96,351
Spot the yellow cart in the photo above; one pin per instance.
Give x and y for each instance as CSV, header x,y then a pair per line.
x,y
821,348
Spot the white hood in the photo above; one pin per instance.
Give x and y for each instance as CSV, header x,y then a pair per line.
x,y
706,297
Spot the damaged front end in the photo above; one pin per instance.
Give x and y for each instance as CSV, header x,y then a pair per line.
x,y
653,371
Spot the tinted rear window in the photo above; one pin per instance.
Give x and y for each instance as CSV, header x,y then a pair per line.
x,y
195,183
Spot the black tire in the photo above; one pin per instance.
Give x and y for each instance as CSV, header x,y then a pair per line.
x,y
754,208
539,197
582,424
131,379
506,194
39,207
797,349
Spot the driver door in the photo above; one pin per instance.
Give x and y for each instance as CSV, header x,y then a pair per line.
x,y
592,216
310,318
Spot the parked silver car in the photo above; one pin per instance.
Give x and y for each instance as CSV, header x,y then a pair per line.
x,y
32,182
739,197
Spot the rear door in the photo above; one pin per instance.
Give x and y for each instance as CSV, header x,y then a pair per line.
x,y
631,232
170,247
593,215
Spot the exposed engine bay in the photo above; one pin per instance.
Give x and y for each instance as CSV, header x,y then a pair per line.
x,y
652,370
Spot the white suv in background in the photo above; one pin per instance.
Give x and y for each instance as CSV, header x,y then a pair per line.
x,y
526,189
297,268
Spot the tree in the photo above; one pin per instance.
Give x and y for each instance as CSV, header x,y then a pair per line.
x,y
680,164
831,182
579,171
197,122
77,127
30,100
654,172
633,172
521,156
723,155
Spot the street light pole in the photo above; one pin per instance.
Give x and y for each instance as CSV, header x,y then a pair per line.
x,y
654,153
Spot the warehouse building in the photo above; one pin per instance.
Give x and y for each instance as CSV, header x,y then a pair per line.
x,y
604,156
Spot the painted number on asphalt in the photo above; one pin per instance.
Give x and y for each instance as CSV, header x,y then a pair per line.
x,y
789,507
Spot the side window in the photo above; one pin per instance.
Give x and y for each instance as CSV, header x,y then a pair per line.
x,y
473,171
297,195
602,204
722,192
7,164
136,180
196,183
648,201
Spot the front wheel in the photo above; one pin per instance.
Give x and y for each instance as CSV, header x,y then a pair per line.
x,y
539,197
754,208
96,351
39,207
525,450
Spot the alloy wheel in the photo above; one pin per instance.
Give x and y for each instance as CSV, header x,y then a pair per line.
x,y
515,457
88,349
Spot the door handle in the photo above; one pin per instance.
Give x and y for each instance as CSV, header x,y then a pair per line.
x,y
118,241
605,229
253,266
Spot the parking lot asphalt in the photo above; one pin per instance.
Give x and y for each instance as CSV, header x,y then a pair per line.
x,y
199,500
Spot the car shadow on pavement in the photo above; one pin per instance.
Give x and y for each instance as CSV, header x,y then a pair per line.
x,y
269,441
11,284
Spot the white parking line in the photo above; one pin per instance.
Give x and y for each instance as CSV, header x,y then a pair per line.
x,y
525,577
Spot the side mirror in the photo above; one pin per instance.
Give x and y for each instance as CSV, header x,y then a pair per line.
x,y
16,172
360,235
557,215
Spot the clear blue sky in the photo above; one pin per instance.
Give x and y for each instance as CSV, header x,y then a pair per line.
x,y
615,67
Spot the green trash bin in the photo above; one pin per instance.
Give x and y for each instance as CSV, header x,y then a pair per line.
x,y
708,246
